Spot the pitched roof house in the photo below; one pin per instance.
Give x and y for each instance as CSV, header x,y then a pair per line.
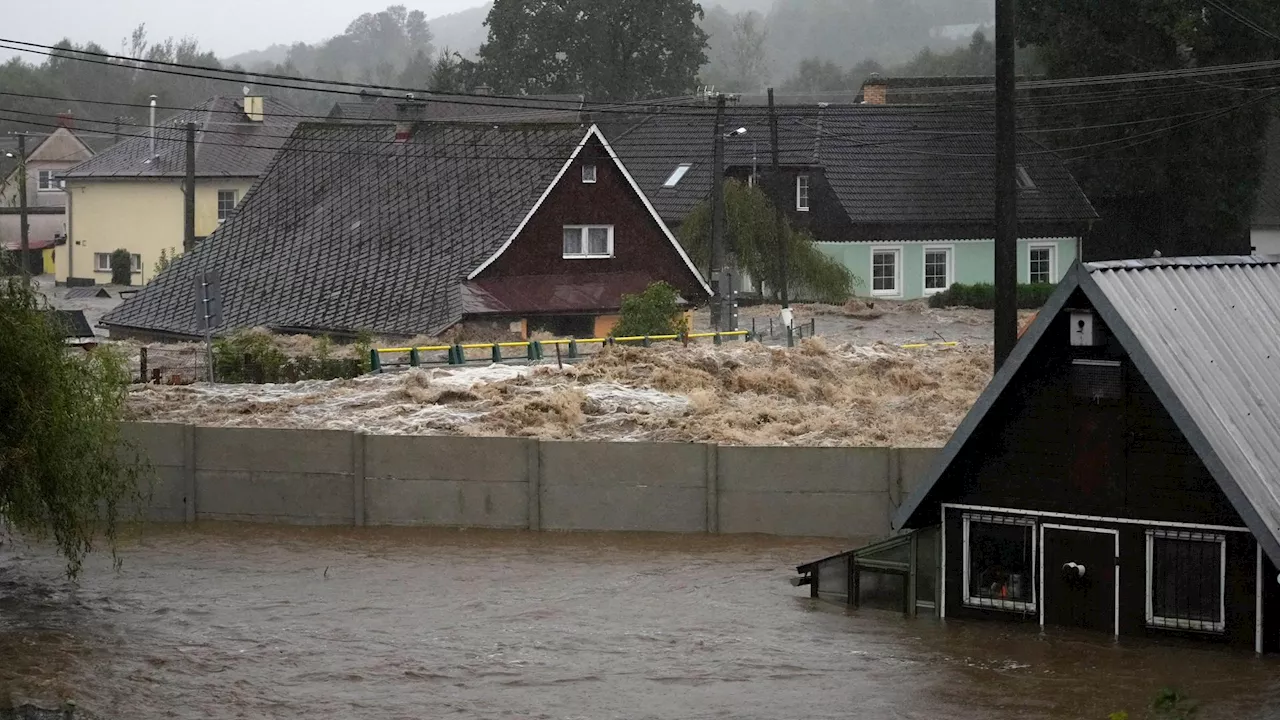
x,y
904,196
1122,470
130,197
410,229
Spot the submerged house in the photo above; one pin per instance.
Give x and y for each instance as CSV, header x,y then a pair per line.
x,y
405,229
1121,472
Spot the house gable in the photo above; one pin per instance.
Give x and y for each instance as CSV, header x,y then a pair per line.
x,y
1160,429
641,241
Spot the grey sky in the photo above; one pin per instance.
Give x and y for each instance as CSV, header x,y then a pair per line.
x,y
227,26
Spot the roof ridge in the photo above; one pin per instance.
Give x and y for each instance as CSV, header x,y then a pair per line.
x,y
1189,261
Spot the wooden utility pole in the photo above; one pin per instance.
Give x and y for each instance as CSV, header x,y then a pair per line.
x,y
718,221
24,229
1006,240
189,193
779,219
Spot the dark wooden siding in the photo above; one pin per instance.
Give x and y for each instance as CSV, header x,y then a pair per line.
x,y
639,243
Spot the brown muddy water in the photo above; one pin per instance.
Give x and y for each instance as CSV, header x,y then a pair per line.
x,y
233,621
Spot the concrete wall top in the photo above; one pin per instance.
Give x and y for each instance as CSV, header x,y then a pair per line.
x,y
447,458
161,444
786,469
623,463
271,450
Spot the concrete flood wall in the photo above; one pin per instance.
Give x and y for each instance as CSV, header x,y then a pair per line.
x,y
326,477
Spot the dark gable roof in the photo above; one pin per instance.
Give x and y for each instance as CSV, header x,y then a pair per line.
x,y
228,144
461,108
1266,211
888,165
1205,334
350,231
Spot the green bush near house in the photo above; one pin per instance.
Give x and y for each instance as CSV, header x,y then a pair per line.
x,y
251,356
121,267
983,295
656,311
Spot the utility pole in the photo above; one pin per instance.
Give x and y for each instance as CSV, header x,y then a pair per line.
x,y
718,221
779,219
189,193
1006,240
23,229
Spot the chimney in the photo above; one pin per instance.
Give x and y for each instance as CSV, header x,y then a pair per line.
x,y
65,120
482,90
254,107
153,126
406,113
874,90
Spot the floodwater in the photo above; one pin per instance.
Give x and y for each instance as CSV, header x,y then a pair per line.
x,y
237,621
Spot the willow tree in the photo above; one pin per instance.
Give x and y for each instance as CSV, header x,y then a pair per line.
x,y
752,229
65,472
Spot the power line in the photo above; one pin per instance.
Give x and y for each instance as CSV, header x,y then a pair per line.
x,y
1243,19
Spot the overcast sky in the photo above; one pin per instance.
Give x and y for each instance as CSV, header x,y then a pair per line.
x,y
227,26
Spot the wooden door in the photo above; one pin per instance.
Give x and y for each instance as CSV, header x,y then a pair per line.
x,y
1078,575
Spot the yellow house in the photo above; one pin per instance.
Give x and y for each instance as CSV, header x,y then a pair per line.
x,y
131,196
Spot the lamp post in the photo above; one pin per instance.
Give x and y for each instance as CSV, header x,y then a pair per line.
x,y
726,319
23,228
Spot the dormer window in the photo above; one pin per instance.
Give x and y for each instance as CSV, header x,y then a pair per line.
x,y
589,174
677,175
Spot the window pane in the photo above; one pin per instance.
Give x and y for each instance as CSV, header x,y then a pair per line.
x,y
1000,562
137,262
885,591
935,270
833,578
588,173
598,241
1040,265
102,261
573,241
1185,582
884,271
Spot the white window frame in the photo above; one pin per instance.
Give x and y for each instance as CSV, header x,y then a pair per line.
x,y
586,253
1156,621
235,200
589,172
677,175
897,271
52,184
1018,606
803,187
950,278
1053,259
135,264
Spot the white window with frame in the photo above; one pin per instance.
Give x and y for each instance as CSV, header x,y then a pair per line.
x,y
802,193
1000,562
938,269
1186,580
1042,264
589,173
886,271
102,262
47,181
588,241
677,175
226,204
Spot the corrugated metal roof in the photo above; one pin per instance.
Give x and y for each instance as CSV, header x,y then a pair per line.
x,y
1210,331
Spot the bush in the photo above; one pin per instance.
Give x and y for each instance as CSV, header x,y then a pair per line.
x,y
656,311
166,259
66,471
251,356
983,296
121,267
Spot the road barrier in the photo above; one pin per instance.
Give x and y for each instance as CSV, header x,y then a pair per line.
x,y
533,350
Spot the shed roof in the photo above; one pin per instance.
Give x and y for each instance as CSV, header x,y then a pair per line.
x,y
228,143
1205,334
886,164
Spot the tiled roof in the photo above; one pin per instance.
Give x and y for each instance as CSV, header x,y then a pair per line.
x,y
228,144
350,231
461,108
887,164
1266,211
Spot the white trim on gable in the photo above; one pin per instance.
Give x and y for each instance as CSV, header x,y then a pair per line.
x,y
594,131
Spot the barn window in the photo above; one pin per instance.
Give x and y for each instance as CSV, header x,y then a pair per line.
x,y
1186,580
1097,380
999,562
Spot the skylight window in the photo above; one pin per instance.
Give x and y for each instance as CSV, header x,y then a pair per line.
x,y
1024,180
677,175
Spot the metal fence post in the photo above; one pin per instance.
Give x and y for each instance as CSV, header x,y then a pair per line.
x,y
413,357
375,361
496,354
573,348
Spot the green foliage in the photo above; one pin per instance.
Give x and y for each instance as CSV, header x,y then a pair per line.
x,y
66,472
615,50
752,229
121,267
252,356
656,311
983,295
364,344
165,260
